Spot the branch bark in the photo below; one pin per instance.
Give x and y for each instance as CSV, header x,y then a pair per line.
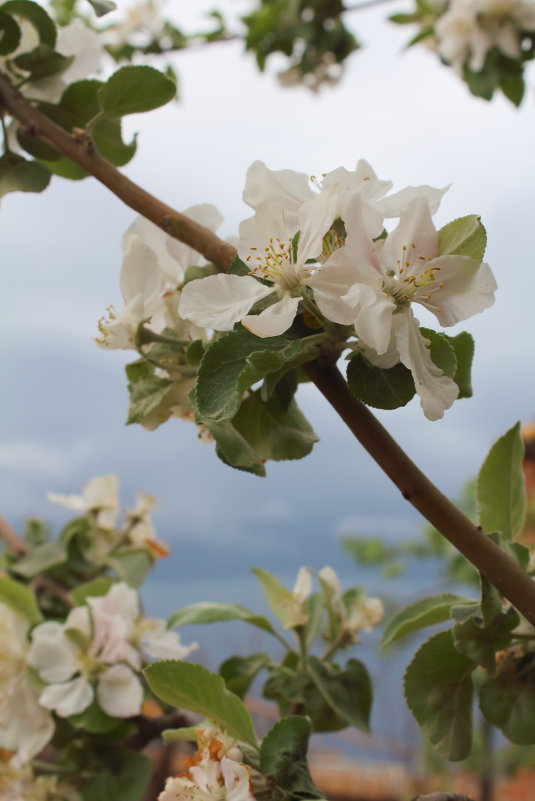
x,y
11,538
499,568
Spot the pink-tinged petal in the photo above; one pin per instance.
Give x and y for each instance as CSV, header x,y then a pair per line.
x,y
119,692
396,204
287,187
437,392
373,312
463,287
220,301
274,320
415,240
68,698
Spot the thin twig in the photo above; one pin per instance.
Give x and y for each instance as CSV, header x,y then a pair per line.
x,y
11,538
499,568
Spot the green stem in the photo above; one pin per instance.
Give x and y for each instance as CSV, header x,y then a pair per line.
x,y
7,149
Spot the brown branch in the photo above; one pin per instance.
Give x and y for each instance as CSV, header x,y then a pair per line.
x,y
416,488
11,538
79,147
499,568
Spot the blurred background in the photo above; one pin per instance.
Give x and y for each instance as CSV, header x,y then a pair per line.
x,y
64,400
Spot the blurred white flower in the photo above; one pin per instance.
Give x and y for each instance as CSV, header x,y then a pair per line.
x,y
99,498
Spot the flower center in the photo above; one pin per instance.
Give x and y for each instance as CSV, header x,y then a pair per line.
x,y
411,280
276,263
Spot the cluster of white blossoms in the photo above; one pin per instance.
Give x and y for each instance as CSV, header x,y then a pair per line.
x,y
323,242
469,29
100,500
215,773
97,653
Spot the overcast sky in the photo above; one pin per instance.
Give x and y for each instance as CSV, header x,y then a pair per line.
x,y
64,401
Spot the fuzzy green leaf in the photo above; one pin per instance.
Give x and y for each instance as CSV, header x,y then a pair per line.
x,y
36,16
508,700
377,387
239,672
348,692
424,612
134,89
283,757
20,598
501,493
465,236
439,691
214,612
233,449
192,687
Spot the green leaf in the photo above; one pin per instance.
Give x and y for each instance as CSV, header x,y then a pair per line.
x,y
465,236
131,564
95,720
36,147
283,757
424,612
19,175
508,700
90,589
501,493
65,168
377,387
442,351
513,86
102,7
463,344
238,267
480,642
192,687
275,430
128,782
9,34
20,598
40,559
233,449
213,612
134,89
36,15
107,136
146,394
439,690
238,360
239,672
42,62
348,692
281,601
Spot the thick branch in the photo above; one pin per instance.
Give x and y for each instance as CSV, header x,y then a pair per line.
x,y
415,487
500,569
80,149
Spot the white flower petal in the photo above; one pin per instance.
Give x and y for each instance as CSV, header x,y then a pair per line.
x,y
290,189
220,301
465,287
205,214
119,692
68,698
274,320
437,392
396,204
51,653
303,584
141,275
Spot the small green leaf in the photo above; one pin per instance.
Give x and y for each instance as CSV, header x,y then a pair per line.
x,y
275,430
424,612
281,601
501,493
42,62
463,345
236,361
102,7
94,719
9,34
36,147
465,236
233,449
131,564
480,642
19,175
377,387
65,168
213,612
40,559
146,394
239,672
192,687
20,598
439,691
134,89
508,700
90,589
36,15
108,139
513,86
283,758
348,691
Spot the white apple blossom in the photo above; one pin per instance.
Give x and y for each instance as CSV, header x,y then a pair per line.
x,y
372,286
469,29
103,656
352,611
139,527
153,269
99,498
25,726
215,773
20,784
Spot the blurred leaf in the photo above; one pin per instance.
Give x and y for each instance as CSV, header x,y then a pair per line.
x,y
19,598
463,345
43,62
90,589
131,564
239,672
134,89
9,34
283,758
424,612
501,493
348,691
508,700
102,7
36,15
128,782
40,559
19,175
213,612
